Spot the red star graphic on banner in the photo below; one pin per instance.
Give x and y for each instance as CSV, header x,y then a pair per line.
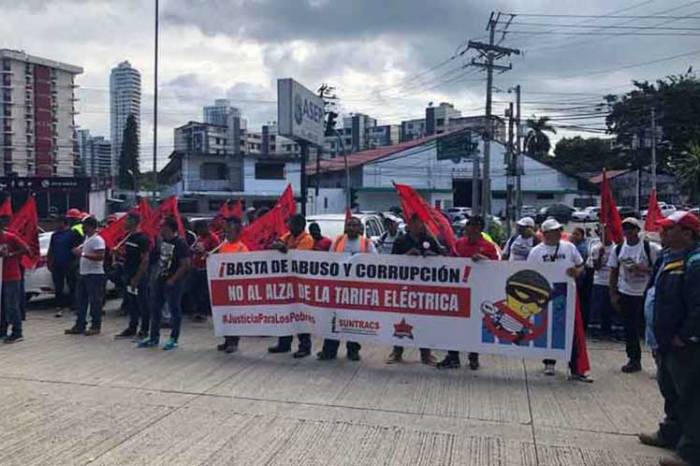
x,y
403,330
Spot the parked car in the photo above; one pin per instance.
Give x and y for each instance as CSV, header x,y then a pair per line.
x,y
561,212
454,212
588,214
627,211
333,225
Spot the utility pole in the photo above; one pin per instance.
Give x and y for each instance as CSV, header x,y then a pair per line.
x,y
653,148
304,179
510,173
518,157
489,54
155,109
475,185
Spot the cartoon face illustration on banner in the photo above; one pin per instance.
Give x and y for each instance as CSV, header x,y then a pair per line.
x,y
522,316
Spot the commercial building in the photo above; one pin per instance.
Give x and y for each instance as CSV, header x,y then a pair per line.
x,y
219,113
125,100
37,117
631,188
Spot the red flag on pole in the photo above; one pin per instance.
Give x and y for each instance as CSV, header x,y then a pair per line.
x,y
114,233
265,230
437,225
609,215
653,213
150,223
6,207
25,223
227,210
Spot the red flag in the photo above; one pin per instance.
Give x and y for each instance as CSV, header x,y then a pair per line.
x,y
265,230
150,223
25,223
226,211
114,233
609,215
436,223
653,213
6,208
581,363
236,210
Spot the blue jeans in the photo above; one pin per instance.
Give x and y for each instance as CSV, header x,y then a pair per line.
x,y
138,305
10,313
91,289
172,294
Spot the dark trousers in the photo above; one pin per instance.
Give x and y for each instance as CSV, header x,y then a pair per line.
x,y
10,312
138,306
22,298
172,294
399,351
90,294
330,347
200,292
601,308
455,355
632,309
678,377
304,341
584,284
64,286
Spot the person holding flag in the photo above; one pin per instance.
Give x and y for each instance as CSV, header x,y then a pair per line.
x,y
297,238
12,248
354,242
206,241
232,245
136,249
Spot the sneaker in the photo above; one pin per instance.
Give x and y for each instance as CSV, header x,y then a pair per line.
x,y
580,378
231,348
394,358
278,349
147,343
302,353
474,362
674,460
171,344
632,367
449,363
13,339
354,356
323,356
654,440
128,333
92,331
549,369
75,330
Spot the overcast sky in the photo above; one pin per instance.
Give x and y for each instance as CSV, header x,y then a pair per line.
x,y
382,56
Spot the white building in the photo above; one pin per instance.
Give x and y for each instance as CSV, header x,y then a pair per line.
x,y
218,114
125,100
37,117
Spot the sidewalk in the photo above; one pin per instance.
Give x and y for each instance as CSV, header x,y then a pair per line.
x,y
93,400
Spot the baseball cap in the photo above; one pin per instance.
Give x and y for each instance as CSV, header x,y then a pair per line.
x,y
526,222
632,221
551,224
685,219
74,213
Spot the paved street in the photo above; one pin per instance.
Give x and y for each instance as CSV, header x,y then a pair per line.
x,y
79,400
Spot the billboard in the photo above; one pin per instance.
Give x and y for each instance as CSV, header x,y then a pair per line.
x,y
299,112
456,146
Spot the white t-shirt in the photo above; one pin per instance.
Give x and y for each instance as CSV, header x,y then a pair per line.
x,y
601,276
564,252
631,282
519,248
91,246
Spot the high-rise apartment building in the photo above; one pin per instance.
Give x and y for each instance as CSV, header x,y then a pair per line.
x,y
37,116
218,114
125,100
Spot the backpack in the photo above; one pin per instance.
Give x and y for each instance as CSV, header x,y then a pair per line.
x,y
647,251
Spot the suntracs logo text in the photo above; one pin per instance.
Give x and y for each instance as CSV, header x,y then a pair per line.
x,y
354,326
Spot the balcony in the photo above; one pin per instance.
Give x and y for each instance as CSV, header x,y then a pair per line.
x,y
209,185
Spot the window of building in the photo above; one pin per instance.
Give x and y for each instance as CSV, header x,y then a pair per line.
x,y
545,196
269,171
213,171
440,121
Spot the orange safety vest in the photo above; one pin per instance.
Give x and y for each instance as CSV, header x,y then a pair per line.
x,y
339,244
229,247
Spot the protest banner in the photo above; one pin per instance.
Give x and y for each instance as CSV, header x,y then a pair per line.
x,y
513,308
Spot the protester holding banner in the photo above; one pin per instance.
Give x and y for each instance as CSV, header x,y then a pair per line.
x,y
676,318
206,241
231,245
630,269
91,284
474,246
415,242
321,243
353,242
297,238
173,265
555,249
12,248
519,246
136,297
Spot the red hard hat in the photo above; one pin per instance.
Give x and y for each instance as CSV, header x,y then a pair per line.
x,y
74,213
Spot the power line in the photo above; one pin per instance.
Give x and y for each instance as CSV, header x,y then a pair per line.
x,y
547,15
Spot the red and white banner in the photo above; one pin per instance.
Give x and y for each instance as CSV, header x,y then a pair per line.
x,y
448,303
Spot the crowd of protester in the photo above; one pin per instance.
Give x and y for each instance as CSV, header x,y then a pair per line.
x,y
636,289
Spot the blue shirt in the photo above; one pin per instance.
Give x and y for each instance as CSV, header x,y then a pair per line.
x,y
61,246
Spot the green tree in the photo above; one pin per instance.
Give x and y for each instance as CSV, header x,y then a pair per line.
x,y
689,171
536,141
129,156
579,154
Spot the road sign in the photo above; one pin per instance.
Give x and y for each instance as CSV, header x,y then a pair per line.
x,y
299,112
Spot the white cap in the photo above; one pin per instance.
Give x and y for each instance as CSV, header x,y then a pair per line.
x,y
633,221
551,224
526,222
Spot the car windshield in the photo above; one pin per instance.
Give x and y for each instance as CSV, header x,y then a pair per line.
x,y
330,227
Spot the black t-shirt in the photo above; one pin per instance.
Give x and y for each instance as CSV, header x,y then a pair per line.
x,y
172,253
134,248
406,242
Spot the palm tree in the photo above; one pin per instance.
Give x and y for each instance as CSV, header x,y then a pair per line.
x,y
689,170
537,142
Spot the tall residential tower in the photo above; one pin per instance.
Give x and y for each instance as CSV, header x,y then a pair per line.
x,y
125,100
